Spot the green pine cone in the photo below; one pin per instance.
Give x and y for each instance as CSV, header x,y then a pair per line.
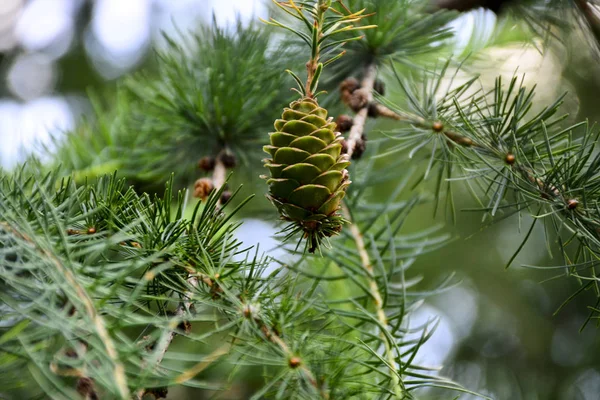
x,y
308,172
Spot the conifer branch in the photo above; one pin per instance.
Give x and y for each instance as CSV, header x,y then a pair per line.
x,y
219,175
219,178
373,108
378,300
97,320
358,127
185,306
294,361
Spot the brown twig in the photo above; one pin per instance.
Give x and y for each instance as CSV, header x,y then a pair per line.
x,y
219,175
372,108
360,119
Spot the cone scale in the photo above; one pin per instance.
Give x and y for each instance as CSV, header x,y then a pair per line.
x,y
308,176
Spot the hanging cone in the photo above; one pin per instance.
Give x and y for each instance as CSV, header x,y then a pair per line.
x,y
308,172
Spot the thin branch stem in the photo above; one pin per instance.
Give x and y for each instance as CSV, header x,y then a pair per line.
x,y
219,175
360,119
311,65
376,294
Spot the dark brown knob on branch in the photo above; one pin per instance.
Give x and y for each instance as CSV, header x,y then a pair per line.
x,y
467,5
206,164
225,196
228,159
344,123
349,85
572,204
359,100
86,388
510,159
158,393
185,326
347,88
437,126
202,188
359,148
374,110
295,362
379,87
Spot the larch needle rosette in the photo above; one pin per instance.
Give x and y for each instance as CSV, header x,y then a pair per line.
x,y
308,170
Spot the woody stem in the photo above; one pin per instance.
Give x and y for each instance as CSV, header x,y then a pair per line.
x,y
360,119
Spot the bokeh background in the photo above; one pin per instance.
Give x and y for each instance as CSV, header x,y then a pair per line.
x,y
498,333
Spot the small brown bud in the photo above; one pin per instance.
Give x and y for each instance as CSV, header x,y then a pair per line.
x,y
86,388
72,310
437,126
206,164
345,97
225,196
91,230
344,123
72,232
510,159
150,344
359,148
215,292
185,326
359,100
373,110
228,159
294,362
71,353
158,393
202,188
349,85
572,204
379,87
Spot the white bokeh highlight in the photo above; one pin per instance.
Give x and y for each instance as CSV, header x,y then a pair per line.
x,y
45,23
25,127
119,36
